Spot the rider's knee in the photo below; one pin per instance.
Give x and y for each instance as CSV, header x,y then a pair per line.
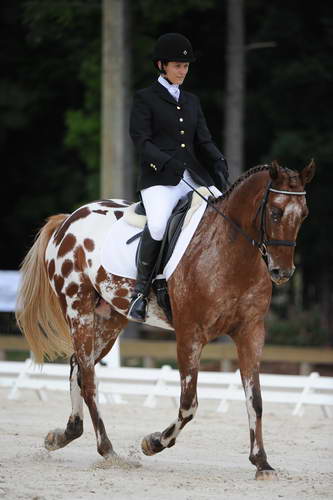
x,y
156,230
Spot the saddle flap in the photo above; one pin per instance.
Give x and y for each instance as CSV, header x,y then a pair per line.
x,y
173,230
179,219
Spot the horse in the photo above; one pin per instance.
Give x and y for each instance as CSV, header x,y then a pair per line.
x,y
69,304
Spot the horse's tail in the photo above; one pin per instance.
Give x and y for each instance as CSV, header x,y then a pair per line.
x,y
38,311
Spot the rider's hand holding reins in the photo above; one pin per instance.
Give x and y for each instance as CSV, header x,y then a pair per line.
x,y
220,174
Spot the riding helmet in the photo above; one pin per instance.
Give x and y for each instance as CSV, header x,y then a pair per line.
x,y
173,47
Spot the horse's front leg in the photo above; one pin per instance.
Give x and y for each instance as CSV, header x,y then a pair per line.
x,y
249,345
188,355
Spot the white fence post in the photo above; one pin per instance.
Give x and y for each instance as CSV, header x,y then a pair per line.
x,y
22,377
112,359
298,410
150,400
223,407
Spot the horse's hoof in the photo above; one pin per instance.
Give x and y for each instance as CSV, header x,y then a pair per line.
x,y
151,444
266,475
55,440
110,455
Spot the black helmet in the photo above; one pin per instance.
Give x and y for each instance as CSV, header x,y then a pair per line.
x,y
173,47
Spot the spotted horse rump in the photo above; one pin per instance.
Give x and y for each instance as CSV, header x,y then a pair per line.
x,y
221,286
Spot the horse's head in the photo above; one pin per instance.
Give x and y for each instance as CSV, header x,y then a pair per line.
x,y
285,211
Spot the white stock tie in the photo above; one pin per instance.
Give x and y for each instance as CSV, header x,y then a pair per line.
x,y
174,91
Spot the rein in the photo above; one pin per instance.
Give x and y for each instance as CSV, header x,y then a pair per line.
x,y
264,241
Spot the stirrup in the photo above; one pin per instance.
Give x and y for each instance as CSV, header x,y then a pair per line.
x,y
138,315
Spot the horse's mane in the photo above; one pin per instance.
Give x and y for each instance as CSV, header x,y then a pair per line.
x,y
246,175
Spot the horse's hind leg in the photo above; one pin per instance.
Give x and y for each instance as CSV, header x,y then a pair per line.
x,y
85,350
188,354
249,345
58,438
93,338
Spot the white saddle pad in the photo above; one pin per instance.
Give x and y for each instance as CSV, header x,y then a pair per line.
x,y
118,258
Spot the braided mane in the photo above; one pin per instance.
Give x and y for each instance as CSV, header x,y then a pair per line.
x,y
245,175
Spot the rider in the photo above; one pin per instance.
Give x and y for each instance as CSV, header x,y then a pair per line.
x,y
170,133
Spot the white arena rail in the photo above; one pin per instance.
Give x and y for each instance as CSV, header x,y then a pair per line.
x,y
113,383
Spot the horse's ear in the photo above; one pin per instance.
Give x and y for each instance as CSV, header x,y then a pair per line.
x,y
274,170
308,172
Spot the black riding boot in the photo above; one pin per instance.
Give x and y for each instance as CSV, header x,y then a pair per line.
x,y
148,252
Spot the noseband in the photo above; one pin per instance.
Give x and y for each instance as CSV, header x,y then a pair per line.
x,y
264,240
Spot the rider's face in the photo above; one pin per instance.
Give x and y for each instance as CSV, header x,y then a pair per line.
x,y
176,72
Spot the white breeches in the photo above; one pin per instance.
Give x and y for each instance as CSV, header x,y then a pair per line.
x,y
159,201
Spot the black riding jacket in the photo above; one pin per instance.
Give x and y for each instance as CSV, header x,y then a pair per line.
x,y
171,135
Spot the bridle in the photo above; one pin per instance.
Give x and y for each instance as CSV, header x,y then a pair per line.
x,y
264,240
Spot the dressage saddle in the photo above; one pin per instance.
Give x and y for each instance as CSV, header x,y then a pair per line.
x,y
170,238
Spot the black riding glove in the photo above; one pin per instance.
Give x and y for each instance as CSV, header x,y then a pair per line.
x,y
221,174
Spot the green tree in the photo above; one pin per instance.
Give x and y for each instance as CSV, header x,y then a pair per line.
x,y
289,118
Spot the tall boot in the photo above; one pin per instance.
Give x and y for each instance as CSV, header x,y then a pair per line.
x,y
148,252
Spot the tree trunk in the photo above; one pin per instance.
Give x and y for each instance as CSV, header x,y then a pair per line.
x,y
117,164
235,87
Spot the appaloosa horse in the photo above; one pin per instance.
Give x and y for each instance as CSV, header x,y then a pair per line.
x,y
69,303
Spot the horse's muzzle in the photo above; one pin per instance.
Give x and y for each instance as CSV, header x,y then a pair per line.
x,y
280,276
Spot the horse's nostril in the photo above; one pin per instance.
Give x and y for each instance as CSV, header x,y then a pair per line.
x,y
275,272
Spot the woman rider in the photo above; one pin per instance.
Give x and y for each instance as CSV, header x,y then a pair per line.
x,y
169,131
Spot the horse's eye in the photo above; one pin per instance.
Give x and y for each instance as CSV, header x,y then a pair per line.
x,y
276,214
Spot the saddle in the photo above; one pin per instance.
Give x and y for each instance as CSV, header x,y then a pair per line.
x,y
173,229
